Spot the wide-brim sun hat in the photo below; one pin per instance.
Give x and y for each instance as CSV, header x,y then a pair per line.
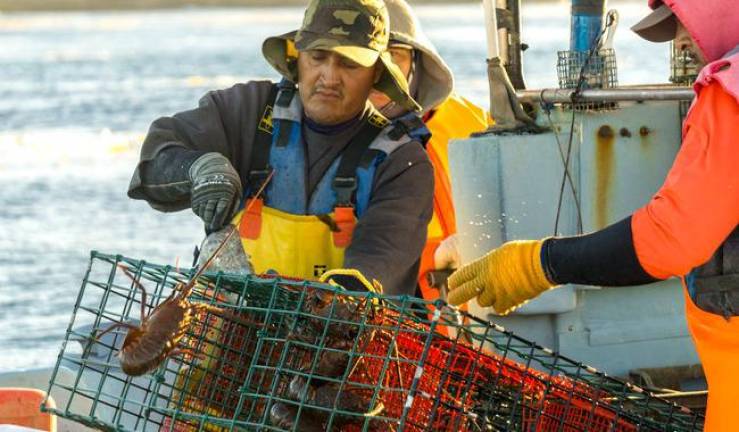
x,y
355,29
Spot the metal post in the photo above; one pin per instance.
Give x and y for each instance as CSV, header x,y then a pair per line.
x,y
608,95
503,31
514,64
504,106
586,23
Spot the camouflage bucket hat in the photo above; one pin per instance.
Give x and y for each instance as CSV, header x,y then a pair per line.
x,y
355,29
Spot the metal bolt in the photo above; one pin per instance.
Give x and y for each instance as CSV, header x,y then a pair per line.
x,y
605,131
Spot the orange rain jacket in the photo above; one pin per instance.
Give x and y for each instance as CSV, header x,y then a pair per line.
x,y
683,225
698,206
454,118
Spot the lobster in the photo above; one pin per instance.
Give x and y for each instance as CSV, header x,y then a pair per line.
x,y
157,336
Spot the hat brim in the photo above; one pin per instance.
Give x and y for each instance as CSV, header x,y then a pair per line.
x,y
362,56
281,52
658,26
399,44
282,55
436,81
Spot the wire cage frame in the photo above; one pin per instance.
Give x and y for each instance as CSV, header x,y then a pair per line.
x,y
278,354
598,70
683,67
588,70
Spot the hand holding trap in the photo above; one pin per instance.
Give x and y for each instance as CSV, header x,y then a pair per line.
x,y
304,356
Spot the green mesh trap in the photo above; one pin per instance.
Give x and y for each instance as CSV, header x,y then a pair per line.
x,y
280,354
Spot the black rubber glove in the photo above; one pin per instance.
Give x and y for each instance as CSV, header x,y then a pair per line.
x,y
216,190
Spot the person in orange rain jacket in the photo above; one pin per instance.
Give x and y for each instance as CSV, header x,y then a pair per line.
x,y
446,115
687,230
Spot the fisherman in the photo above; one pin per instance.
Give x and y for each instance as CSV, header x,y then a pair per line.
x,y
687,230
351,194
447,116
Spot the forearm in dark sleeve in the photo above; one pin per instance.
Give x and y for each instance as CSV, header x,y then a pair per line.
x,y
604,258
170,147
389,238
225,122
165,180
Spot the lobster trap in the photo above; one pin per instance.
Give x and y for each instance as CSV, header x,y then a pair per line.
x,y
302,356
586,70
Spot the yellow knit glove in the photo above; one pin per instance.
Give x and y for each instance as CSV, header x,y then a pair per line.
x,y
505,278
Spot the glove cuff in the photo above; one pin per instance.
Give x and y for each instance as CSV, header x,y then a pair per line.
x,y
213,163
521,276
538,274
522,261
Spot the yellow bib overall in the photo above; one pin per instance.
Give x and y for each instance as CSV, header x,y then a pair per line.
x,y
289,231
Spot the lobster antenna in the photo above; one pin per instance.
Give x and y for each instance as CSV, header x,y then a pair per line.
x,y
228,236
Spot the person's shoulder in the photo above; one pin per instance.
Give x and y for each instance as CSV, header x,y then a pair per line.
x,y
715,93
458,106
397,135
400,150
457,101
714,107
403,160
252,92
412,152
718,83
249,86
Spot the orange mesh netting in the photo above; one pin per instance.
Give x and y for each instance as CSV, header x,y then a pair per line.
x,y
415,381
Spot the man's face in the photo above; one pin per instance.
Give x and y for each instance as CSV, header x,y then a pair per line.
x,y
333,89
684,42
403,58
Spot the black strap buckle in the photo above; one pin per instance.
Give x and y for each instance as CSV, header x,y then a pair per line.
x,y
412,125
256,178
344,188
286,94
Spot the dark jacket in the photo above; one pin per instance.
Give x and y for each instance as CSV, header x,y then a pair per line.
x,y
388,239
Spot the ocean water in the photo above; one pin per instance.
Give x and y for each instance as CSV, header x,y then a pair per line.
x,y
78,91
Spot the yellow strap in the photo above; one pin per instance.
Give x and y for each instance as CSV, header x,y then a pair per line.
x,y
290,50
374,287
